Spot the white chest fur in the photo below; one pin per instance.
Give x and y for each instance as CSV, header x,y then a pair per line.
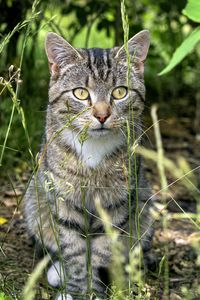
x,y
94,149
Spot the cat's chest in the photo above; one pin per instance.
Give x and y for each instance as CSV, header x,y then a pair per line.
x,y
95,169
107,183
93,151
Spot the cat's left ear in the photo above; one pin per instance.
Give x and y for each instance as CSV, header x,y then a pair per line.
x,y
138,47
59,52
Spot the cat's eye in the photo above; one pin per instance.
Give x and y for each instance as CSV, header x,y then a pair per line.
x,y
81,93
119,92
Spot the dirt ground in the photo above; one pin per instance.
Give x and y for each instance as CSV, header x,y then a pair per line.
x,y
17,255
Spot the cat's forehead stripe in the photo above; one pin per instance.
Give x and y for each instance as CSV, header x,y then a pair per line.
x,y
87,80
94,63
108,58
99,63
90,62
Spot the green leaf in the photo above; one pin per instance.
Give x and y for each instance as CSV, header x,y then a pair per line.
x,y
192,10
161,264
184,49
4,297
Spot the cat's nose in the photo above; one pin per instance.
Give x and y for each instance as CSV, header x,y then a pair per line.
x,y
102,118
101,111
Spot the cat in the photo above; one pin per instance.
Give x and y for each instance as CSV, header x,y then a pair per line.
x,y
96,99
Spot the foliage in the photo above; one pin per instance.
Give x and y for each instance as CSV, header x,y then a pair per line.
x,y
4,297
192,11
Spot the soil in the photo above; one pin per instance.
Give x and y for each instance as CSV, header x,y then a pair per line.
x,y
181,236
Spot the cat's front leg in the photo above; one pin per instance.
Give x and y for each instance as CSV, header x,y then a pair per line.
x,y
78,274
73,279
70,277
70,271
100,260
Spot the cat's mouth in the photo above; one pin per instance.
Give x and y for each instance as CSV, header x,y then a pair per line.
x,y
99,131
100,127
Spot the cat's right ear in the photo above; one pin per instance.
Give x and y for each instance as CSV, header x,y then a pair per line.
x,y
59,52
138,47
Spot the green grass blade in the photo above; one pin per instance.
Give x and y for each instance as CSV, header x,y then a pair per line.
x,y
29,291
18,27
184,49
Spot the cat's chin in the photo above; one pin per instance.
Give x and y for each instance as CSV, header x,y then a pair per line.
x,y
99,132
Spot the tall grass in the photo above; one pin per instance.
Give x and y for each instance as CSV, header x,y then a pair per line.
x,y
164,185
7,85
29,291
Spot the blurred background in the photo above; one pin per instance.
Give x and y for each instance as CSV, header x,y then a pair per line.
x,y
88,23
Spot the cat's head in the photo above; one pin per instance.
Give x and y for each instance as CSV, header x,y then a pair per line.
x,y
96,89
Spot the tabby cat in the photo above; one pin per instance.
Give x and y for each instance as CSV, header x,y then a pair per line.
x,y
95,103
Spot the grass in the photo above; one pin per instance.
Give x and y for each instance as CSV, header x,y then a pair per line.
x,y
29,291
163,180
179,171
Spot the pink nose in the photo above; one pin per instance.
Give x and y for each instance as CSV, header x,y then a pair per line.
x,y
102,118
101,111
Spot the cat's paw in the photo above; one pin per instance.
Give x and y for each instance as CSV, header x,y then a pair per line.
x,y
64,297
55,275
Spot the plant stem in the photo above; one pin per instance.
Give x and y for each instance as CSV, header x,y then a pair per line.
x,y
164,186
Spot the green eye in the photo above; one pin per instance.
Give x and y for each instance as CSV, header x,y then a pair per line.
x,y
119,92
81,93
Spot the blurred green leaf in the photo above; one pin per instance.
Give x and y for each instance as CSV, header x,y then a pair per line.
x,y
192,10
4,297
184,49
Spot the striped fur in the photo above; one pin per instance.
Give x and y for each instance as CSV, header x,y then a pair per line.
x,y
83,160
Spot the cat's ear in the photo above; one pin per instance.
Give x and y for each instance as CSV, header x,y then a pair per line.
x,y
58,51
138,47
